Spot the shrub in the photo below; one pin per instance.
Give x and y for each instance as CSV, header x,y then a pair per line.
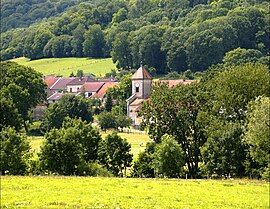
x,y
67,151
15,152
143,166
169,157
114,154
110,120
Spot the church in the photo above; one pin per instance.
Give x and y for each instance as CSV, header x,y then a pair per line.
x,y
141,89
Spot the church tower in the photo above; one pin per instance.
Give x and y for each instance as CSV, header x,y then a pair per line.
x,y
141,83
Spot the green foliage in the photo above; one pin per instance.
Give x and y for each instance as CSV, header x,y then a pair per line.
x,y
21,88
107,120
233,87
176,111
240,56
168,36
224,153
69,106
257,134
112,120
169,158
114,154
121,92
58,46
67,151
144,166
93,46
108,103
79,73
15,152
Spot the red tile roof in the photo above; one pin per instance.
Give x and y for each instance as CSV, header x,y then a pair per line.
x,y
101,93
50,80
91,86
141,73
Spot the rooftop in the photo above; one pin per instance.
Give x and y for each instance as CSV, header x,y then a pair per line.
x,y
91,86
141,73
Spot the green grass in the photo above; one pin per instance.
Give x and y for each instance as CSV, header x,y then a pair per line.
x,y
65,66
90,192
137,141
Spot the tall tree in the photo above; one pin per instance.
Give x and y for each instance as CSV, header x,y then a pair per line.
x,y
233,87
21,87
114,154
177,112
94,43
77,41
121,52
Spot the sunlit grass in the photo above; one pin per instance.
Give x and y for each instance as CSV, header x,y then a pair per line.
x,y
90,192
65,66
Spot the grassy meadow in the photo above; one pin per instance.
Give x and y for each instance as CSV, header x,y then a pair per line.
x,y
65,66
92,192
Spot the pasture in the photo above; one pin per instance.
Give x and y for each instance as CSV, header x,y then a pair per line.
x,y
92,192
65,66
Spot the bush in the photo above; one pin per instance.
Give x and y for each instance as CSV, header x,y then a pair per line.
x,y
15,152
67,151
143,167
110,120
114,154
169,157
107,120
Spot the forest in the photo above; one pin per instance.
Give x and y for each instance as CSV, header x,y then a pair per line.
x,y
167,36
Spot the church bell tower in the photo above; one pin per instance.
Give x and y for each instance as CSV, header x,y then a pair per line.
x,y
141,83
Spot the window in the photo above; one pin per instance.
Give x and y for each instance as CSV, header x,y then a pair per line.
x,y
70,89
89,94
137,89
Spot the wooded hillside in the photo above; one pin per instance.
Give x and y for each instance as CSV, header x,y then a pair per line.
x,y
172,35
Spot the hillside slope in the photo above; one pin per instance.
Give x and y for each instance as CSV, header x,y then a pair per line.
x,y
165,35
20,14
65,66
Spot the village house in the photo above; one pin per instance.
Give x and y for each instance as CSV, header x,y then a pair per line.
x,y
141,89
57,87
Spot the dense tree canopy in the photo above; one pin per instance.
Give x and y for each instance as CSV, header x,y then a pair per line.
x,y
166,35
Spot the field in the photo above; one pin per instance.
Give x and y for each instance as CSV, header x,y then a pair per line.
x,y
90,192
65,66
137,141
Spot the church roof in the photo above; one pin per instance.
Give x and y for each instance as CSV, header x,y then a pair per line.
x,y
141,73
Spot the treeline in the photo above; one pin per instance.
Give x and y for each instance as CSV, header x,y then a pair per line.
x,y
175,35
